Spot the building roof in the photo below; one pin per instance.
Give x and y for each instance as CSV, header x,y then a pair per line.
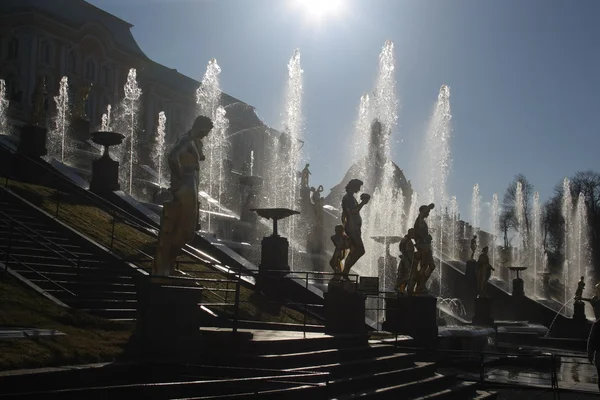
x,y
76,13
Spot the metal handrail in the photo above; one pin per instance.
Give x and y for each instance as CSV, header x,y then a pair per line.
x,y
37,272
6,216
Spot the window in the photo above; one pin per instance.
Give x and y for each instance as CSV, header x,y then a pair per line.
x,y
13,48
45,52
71,62
90,70
106,76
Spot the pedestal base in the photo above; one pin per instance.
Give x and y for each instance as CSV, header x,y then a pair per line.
x,y
274,254
344,309
483,312
518,288
33,141
415,316
105,175
579,311
169,314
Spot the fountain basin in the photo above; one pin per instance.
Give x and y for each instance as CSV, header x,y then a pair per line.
x,y
387,239
107,138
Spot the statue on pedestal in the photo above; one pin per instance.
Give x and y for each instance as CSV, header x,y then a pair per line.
x,y
579,291
483,272
405,281
352,222
473,246
180,216
304,177
342,244
423,239
38,115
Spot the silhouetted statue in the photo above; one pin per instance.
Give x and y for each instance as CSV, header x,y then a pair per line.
x,y
407,263
38,116
473,246
304,177
423,239
352,222
580,287
316,193
81,101
342,244
483,272
180,216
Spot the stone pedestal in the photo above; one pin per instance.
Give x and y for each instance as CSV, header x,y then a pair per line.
x,y
80,129
387,268
169,315
274,254
344,309
579,311
470,273
483,311
33,141
105,175
518,288
415,316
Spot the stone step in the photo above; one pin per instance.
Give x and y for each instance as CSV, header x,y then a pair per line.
x,y
405,390
70,274
458,391
97,294
314,357
112,313
84,286
43,251
63,265
375,364
83,303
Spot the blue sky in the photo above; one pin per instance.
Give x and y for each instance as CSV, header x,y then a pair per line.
x,y
524,76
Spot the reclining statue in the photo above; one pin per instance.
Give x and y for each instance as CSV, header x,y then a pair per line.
x,y
180,215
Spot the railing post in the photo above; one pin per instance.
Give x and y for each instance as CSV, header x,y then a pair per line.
x,y
57,202
481,368
112,234
236,304
305,307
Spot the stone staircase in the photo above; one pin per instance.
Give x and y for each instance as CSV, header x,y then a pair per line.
x,y
63,264
318,367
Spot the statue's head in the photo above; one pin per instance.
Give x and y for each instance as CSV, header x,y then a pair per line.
x,y
582,279
426,209
307,165
354,185
411,233
202,126
485,250
474,236
339,229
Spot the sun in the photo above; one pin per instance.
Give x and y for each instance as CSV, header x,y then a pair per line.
x,y
319,9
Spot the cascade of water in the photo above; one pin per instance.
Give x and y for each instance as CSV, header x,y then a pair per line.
x,y
384,215
208,97
453,225
58,136
129,118
567,213
437,156
476,210
3,108
251,162
522,252
495,231
362,135
413,210
106,119
582,238
158,153
537,241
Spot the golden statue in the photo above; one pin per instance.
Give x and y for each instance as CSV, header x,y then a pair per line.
x,y
426,263
180,215
342,244
81,100
38,116
483,272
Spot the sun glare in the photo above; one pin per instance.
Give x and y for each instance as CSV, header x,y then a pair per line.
x,y
320,9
